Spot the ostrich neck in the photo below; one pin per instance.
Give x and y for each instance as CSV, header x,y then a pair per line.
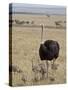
x,y
42,34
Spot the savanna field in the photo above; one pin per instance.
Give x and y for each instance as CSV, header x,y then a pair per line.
x,y
25,49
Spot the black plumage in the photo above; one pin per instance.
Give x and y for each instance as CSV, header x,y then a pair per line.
x,y
49,50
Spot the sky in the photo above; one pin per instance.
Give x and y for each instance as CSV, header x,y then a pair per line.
x,y
37,8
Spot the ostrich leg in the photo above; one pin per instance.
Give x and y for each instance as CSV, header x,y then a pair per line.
x,y
53,63
47,67
54,66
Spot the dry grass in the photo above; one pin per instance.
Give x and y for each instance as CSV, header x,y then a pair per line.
x,y
25,45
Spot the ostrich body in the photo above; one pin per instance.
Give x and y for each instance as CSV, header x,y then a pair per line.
x,y
49,50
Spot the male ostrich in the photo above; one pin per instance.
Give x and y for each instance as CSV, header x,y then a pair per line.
x,y
49,50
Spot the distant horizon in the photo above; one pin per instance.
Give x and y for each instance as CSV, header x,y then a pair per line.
x,y
37,9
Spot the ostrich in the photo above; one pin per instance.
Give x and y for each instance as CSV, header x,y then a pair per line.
x,y
38,70
49,50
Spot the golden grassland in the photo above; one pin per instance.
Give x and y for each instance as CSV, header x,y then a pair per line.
x,y
25,49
